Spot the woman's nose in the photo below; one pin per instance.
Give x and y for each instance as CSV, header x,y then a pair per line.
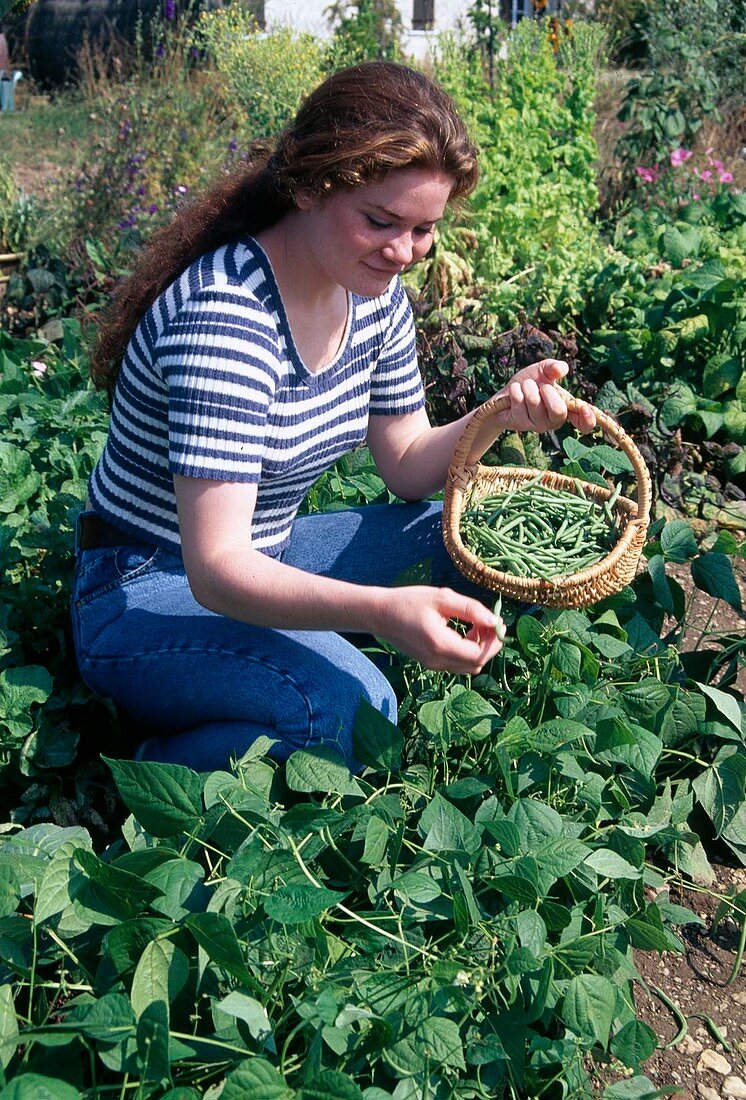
x,y
400,249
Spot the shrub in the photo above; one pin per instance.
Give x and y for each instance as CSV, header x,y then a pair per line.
x,y
531,215
266,74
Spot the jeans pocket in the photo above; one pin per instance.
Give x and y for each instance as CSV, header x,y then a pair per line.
x,y
100,571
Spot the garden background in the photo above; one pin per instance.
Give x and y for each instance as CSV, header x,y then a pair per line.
x,y
536,886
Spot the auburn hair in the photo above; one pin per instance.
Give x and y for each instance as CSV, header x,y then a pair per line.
x,y
357,126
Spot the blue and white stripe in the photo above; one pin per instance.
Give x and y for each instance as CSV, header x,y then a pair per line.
x,y
212,386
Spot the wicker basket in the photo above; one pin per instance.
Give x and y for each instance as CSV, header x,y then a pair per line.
x,y
472,482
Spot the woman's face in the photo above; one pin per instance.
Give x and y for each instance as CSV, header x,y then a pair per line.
x,y
362,238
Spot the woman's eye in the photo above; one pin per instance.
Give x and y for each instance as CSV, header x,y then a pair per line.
x,y
424,230
376,223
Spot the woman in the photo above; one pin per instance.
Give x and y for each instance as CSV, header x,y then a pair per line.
x,y
264,334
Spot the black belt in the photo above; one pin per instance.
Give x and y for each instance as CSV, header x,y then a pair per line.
x,y
95,533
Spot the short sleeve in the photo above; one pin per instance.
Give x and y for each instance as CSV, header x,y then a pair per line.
x,y
220,362
396,382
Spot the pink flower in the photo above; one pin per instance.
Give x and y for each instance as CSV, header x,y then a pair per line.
x,y
695,196
38,369
726,177
716,164
679,156
647,175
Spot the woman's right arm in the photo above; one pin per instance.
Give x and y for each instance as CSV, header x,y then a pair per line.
x,y
227,575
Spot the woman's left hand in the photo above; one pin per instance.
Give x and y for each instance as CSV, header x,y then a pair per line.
x,y
538,404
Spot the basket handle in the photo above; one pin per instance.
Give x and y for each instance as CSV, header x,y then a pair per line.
x,y
611,429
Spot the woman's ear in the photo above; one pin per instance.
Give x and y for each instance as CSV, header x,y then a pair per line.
x,y
305,200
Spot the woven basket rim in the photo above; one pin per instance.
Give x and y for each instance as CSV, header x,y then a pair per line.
x,y
539,585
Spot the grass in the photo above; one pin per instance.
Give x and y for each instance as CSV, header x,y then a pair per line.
x,y
44,136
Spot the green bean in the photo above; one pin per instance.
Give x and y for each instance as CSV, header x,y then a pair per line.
x,y
534,530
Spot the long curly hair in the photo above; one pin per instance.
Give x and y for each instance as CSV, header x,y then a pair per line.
x,y
359,124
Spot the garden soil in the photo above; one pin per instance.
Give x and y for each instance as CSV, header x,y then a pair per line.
x,y
707,1059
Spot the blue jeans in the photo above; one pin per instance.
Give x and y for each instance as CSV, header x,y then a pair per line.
x,y
199,687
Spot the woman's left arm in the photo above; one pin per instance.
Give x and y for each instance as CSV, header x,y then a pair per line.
x,y
413,457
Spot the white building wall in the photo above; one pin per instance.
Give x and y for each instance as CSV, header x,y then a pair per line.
x,y
308,15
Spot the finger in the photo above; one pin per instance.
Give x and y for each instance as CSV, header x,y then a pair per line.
x,y
553,369
554,404
532,398
468,610
583,417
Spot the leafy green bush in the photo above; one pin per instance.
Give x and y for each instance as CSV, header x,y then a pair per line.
x,y
530,220
160,133
460,916
696,53
266,74
18,213
367,30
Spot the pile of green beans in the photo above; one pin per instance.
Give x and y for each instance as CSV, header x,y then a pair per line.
x,y
539,532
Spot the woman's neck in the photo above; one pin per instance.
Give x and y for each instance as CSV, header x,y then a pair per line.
x,y
297,275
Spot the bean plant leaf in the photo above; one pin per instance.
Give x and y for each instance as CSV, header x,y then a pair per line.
x,y
634,1043
319,769
609,864
165,798
678,542
446,829
295,904
160,975
217,937
589,1007
153,1044
20,689
37,1086
721,789
330,1084
376,741
713,573
726,704
255,1077
8,1026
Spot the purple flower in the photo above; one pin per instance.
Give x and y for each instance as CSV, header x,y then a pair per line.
x,y
160,50
152,209
647,175
679,156
169,9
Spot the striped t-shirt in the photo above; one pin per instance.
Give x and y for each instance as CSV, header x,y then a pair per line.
x,y
213,386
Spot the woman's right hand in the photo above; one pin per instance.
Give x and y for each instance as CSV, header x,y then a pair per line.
x,y
418,620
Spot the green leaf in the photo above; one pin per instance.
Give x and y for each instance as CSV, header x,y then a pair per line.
x,y
35,1086
560,855
589,1007
165,798
721,789
319,769
434,1042
160,975
257,1079
330,1084
678,542
645,699
471,715
8,1026
609,864
446,829
713,573
376,741
54,892
721,374
726,704
250,1011
108,889
295,904
20,689
217,937
153,1044
635,1088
